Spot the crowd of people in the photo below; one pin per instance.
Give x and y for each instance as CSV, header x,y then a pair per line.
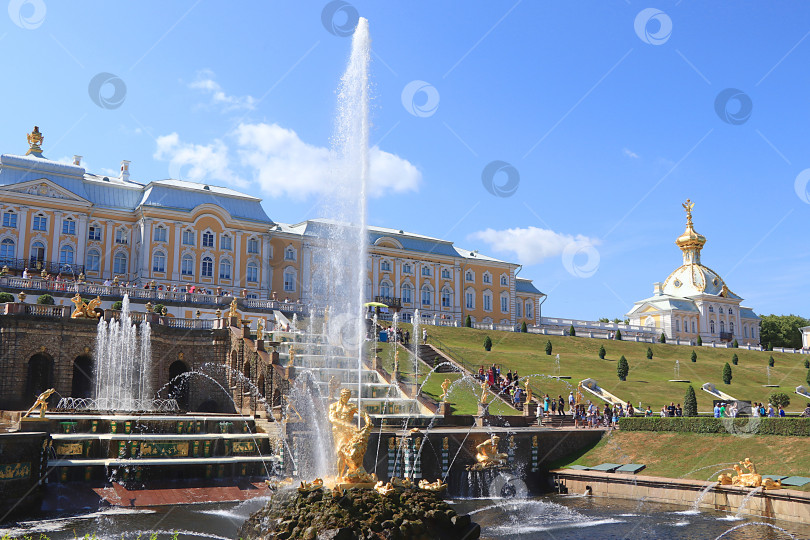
x,y
508,385
589,415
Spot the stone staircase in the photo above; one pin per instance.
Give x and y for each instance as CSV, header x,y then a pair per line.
x,y
434,357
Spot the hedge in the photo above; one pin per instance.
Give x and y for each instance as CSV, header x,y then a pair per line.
x,y
790,426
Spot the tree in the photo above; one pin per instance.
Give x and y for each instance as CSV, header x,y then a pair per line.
x,y
663,338
779,398
734,344
806,363
45,300
782,330
649,353
468,322
118,305
617,320
622,368
602,352
694,356
6,297
488,343
727,373
700,341
604,319
618,335
572,332
808,377
734,359
769,347
770,361
690,402
548,347
523,327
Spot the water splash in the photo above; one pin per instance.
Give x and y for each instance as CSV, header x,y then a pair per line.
x,y
762,523
745,500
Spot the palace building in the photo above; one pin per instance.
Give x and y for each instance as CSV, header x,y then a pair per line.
x,y
59,218
695,301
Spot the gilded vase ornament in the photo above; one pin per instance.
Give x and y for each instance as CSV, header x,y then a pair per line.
x,y
488,456
350,441
35,139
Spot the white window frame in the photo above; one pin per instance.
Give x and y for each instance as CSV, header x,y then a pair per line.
x,y
160,234
40,223
10,219
69,226
207,260
116,268
187,265
225,263
159,261
93,254
209,239
189,237
252,268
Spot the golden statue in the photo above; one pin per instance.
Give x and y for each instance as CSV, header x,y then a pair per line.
x,y
384,488
42,403
307,487
445,387
404,483
488,456
528,391
350,441
484,391
437,487
232,310
333,386
35,139
260,330
688,205
85,310
579,393
748,479
292,354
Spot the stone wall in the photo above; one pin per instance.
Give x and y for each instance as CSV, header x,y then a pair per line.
x,y
23,461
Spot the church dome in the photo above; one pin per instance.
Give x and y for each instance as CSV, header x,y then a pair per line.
x,y
694,279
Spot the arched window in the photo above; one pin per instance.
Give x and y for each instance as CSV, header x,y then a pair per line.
x,y
721,310
208,239
694,327
159,262
93,262
66,255
188,237
722,327
120,263
253,246
487,301
407,293
160,233
504,280
187,265
447,297
469,276
711,327
445,273
427,295
121,236
225,242
487,277
469,298
406,268
207,268
68,226
7,251
252,273
425,270
385,289
289,280
711,309
289,253
225,269
677,325
529,309
37,252
745,330
519,309
731,327
385,266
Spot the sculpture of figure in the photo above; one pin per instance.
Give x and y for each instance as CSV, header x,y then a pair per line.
x,y
232,310
350,442
528,391
488,456
437,487
85,310
42,403
292,354
341,414
445,387
260,329
484,390
688,206
334,384
749,479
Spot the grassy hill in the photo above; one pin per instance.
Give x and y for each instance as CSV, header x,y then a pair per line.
x,y
648,381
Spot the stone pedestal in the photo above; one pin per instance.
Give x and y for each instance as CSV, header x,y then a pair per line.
x,y
259,344
289,373
38,424
530,409
445,409
483,409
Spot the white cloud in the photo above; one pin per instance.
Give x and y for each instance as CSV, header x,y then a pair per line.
x,y
531,245
205,82
281,163
629,153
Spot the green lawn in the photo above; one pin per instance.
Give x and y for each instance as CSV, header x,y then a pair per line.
x,y
667,454
648,381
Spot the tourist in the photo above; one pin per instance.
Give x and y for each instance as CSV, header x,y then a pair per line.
x,y
732,411
571,401
575,414
771,411
509,376
648,412
762,410
561,405
481,372
545,406
723,410
630,410
755,409
407,340
25,274
806,412
553,407
663,412
515,377
781,412
717,410
424,336
613,415
671,409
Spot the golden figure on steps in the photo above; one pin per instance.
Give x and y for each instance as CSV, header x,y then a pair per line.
x,y
42,403
488,456
445,386
350,441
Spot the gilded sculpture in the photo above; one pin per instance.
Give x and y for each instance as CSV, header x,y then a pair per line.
x,y
35,139
260,330
85,310
528,391
350,441
484,392
333,386
488,456
445,387
232,310
42,403
437,487
747,479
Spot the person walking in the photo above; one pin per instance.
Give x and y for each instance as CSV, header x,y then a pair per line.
x,y
424,336
561,405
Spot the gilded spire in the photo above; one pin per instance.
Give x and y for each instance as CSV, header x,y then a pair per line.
x,y
688,205
35,139
690,242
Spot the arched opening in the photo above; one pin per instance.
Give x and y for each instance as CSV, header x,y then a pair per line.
x,y
246,370
209,406
82,377
232,365
179,386
40,375
260,385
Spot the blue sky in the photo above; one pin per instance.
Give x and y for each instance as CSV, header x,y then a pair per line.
x,y
606,113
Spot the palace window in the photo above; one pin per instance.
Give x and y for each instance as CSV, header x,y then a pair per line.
x,y
504,304
730,311
37,252
529,310
207,268
159,262
7,251
487,278
731,327
487,301
289,254
10,220
519,309
711,327
225,242
427,296
711,309
68,226
445,273
120,263
694,327
406,268
469,299
447,297
94,232
208,239
385,289
66,255
121,236
504,281
469,276
253,246
252,273
93,262
225,269
385,266
289,280
188,237
722,327
40,223
187,265
407,293
677,325
721,310
745,331
160,233
425,270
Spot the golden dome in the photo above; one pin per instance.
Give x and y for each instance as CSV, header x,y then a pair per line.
x,y
690,242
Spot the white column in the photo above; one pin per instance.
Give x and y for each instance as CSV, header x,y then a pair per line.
x,y
306,272
146,247
417,291
237,260
22,223
81,239
57,235
437,287
108,247
375,276
177,248
266,277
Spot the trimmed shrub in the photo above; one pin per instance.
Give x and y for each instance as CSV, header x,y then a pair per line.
x,y
45,300
488,343
602,352
6,297
572,332
693,357
769,347
734,359
808,377
622,368
118,305
790,426
700,341
649,353
548,347
734,344
663,338
523,327
770,361
158,308
806,363
779,398
618,335
727,373
690,402
468,322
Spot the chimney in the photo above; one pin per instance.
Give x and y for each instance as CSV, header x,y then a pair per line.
x,y
658,289
77,160
124,169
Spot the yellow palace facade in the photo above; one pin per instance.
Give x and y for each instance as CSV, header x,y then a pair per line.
x,y
59,218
